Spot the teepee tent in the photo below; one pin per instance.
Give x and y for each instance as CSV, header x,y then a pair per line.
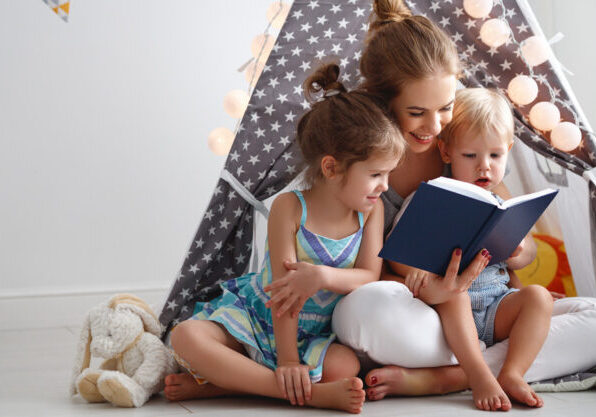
x,y
264,159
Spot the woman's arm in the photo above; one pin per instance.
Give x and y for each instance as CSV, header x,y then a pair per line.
x,y
439,289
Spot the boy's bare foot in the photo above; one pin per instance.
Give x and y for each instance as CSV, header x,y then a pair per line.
x,y
395,380
519,390
488,394
344,394
181,387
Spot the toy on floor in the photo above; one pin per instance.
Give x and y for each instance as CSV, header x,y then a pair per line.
x,y
125,332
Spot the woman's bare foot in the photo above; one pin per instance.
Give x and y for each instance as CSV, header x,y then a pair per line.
x,y
395,380
488,394
519,390
344,394
181,387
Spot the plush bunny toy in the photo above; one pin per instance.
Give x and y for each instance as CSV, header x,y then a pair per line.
x,y
125,332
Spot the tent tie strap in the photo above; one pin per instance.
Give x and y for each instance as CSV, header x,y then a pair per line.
x,y
590,175
244,193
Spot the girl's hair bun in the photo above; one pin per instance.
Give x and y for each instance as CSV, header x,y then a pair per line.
x,y
326,79
387,11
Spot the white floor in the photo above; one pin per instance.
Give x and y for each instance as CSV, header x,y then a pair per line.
x,y
35,366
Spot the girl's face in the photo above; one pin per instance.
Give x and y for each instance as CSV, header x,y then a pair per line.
x,y
477,159
422,109
364,181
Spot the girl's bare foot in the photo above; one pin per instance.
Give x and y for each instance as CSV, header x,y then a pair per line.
x,y
181,387
488,394
344,394
395,380
519,390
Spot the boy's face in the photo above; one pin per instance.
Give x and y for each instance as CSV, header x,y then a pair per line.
x,y
477,159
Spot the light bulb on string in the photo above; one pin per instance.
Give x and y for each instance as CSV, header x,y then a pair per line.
x,y
235,103
494,32
565,136
220,140
522,90
261,46
277,13
544,116
478,9
535,50
253,71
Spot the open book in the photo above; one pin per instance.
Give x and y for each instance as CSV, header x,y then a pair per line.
x,y
445,214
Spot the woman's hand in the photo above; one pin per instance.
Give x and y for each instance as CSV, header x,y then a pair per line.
x,y
417,279
294,381
302,281
439,290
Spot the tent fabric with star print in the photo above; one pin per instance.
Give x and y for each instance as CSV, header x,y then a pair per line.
x,y
264,158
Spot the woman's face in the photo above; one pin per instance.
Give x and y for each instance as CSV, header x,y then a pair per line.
x,y
423,108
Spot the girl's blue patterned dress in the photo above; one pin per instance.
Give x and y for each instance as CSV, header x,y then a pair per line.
x,y
241,308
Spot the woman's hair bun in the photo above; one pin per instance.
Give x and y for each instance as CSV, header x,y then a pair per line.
x,y
386,11
325,78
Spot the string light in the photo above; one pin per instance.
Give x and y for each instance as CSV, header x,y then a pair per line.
x,y
253,71
535,50
565,136
522,90
544,116
220,140
494,32
478,9
235,103
261,46
276,13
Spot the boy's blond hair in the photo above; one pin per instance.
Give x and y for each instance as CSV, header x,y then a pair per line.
x,y
482,111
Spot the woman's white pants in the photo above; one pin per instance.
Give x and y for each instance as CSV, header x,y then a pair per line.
x,y
382,320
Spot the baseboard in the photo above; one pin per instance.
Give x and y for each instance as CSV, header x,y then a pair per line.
x,y
43,310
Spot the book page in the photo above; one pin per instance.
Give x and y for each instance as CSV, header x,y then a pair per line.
x,y
526,197
464,188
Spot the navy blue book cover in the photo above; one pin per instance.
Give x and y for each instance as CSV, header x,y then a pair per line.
x,y
437,221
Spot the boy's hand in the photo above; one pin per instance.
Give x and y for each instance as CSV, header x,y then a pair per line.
x,y
302,281
517,251
294,381
557,295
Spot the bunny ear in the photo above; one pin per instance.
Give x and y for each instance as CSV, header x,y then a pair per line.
x,y
83,353
141,308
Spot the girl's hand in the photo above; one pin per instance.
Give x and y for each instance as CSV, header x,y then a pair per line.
x,y
294,381
417,279
440,290
302,281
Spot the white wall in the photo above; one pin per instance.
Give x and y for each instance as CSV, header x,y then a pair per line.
x,y
104,166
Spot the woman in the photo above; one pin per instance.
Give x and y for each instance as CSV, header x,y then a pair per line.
x,y
412,66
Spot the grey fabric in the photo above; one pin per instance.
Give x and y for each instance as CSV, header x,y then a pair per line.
x,y
575,382
263,157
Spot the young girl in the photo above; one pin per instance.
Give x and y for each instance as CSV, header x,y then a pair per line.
x,y
239,345
476,144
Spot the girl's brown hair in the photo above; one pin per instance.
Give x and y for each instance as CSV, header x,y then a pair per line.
x,y
350,126
401,48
